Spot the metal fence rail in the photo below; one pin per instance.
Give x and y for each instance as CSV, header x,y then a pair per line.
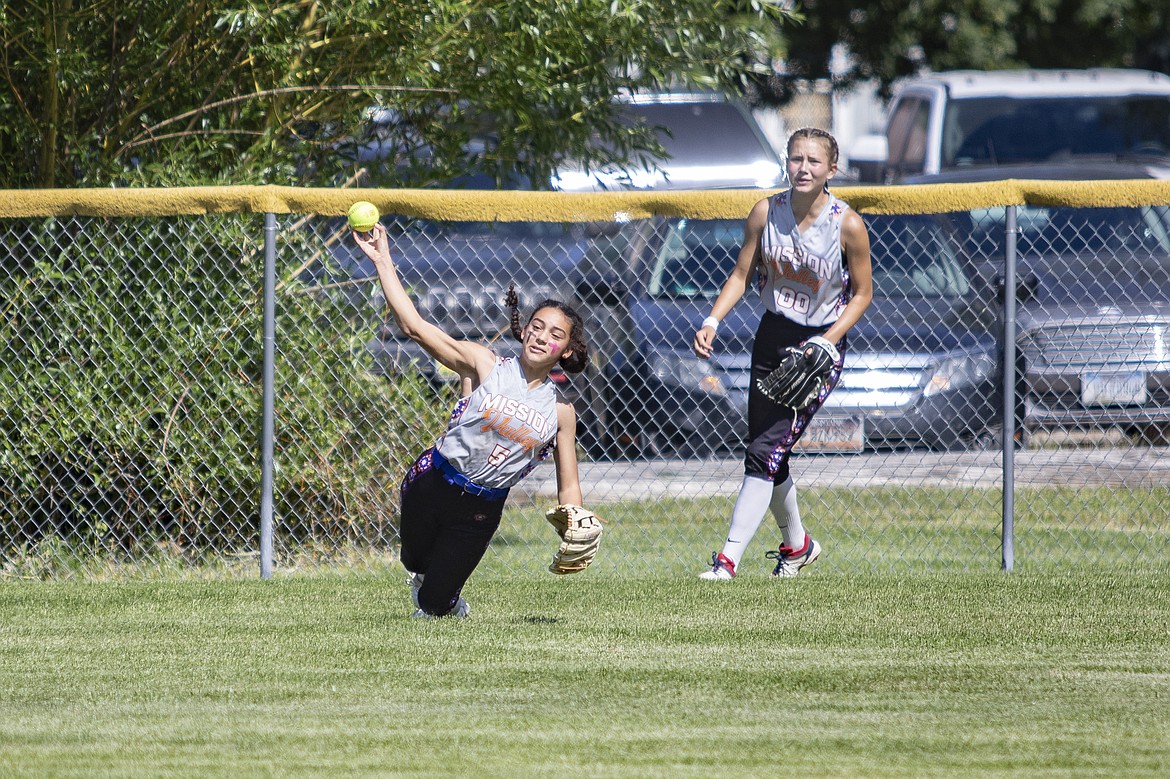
x,y
218,394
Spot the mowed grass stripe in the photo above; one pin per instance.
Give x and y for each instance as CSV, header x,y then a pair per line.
x,y
878,529
826,675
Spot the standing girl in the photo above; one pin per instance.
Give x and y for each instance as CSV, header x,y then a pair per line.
x,y
507,420
810,253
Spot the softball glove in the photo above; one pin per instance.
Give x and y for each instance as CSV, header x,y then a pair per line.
x,y
802,374
580,532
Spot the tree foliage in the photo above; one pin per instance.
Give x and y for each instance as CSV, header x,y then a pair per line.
x,y
893,38
133,377
171,91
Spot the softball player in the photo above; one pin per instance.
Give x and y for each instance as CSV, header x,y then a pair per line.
x,y
508,419
810,254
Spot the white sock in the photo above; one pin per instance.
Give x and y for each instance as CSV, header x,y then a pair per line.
x,y
749,511
787,514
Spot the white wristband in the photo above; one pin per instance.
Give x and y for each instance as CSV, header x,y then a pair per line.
x,y
827,345
710,322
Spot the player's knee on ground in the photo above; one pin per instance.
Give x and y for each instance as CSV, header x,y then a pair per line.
x,y
436,603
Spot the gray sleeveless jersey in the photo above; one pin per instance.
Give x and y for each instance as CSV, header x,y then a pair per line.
x,y
803,275
499,432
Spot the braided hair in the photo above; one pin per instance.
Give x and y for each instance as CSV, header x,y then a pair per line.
x,y
578,356
816,133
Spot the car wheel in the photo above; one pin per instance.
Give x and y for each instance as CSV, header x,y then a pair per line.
x,y
614,444
986,440
675,444
589,442
990,439
597,445
1152,434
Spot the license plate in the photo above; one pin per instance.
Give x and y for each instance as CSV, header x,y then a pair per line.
x,y
1113,389
833,434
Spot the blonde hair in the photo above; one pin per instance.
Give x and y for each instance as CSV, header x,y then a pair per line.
x,y
816,133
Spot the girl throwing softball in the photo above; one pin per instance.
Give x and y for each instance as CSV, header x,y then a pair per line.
x,y
810,254
508,419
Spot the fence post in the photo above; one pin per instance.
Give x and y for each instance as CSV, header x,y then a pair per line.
x,y
266,427
1009,389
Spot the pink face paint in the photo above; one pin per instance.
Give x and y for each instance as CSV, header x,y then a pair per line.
x,y
554,346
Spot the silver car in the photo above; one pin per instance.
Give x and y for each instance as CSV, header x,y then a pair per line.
x,y
1093,311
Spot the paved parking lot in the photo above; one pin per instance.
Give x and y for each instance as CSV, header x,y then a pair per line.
x,y
1108,466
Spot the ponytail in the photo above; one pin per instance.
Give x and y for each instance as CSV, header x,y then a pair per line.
x,y
512,301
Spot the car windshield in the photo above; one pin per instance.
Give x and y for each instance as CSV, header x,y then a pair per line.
x,y
913,256
998,130
1123,231
1092,256
707,144
690,128
695,258
432,229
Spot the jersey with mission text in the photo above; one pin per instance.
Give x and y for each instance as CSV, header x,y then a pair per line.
x,y
499,432
803,276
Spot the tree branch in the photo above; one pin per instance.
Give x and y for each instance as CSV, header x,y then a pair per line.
x,y
147,133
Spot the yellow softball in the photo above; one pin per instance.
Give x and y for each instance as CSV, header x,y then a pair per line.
x,y
363,216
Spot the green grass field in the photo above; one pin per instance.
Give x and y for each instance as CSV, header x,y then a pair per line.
x,y
980,674
879,529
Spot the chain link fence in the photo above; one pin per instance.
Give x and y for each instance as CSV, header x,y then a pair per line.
x,y
135,384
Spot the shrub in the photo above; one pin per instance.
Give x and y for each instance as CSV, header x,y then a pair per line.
x,y
131,366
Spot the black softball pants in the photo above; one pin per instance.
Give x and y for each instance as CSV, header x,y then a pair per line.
x,y
773,429
445,532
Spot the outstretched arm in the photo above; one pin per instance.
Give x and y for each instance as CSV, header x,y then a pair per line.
x,y
469,360
565,455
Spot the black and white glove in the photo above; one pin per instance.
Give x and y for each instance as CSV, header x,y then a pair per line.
x,y
803,372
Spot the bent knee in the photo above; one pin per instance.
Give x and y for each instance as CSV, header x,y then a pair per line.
x,y
766,464
436,603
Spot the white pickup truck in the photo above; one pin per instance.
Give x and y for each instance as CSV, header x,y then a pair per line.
x,y
959,119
